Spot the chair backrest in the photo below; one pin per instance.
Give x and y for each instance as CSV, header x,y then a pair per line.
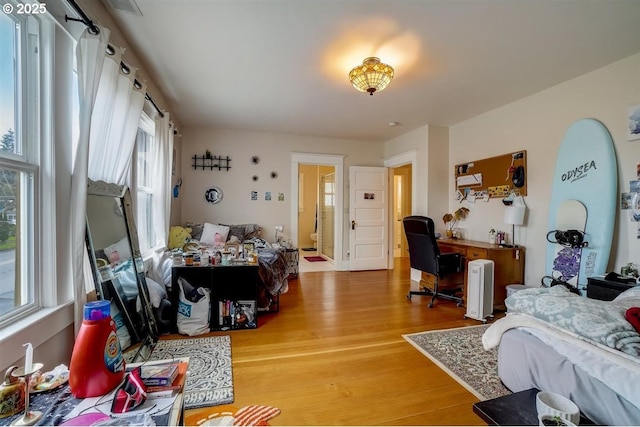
x,y
423,248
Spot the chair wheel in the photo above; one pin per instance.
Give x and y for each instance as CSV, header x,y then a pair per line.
x,y
459,304
409,297
430,305
484,321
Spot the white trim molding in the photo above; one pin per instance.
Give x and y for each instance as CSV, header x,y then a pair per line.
x,y
337,161
408,157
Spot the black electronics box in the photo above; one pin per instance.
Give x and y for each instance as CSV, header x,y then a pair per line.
x,y
606,290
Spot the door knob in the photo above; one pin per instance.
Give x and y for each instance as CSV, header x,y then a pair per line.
x,y
353,225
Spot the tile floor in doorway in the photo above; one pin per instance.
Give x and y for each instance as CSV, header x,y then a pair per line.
x,y
306,266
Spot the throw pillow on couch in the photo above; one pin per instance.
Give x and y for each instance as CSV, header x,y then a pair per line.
x,y
241,231
214,234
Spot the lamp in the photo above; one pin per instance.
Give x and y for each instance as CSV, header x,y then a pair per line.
x,y
372,76
514,215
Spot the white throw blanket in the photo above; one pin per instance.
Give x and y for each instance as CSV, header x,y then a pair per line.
x,y
617,369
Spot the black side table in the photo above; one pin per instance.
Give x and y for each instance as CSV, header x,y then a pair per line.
x,y
606,290
517,409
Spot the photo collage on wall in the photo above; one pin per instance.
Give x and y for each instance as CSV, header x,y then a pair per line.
x,y
630,201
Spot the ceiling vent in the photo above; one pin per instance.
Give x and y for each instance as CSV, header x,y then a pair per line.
x,y
128,6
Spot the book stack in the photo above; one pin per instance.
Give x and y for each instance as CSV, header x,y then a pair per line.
x,y
164,378
236,314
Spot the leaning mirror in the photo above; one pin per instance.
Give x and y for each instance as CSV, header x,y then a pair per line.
x,y
117,265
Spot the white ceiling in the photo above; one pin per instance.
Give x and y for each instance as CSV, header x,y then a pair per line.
x,y
281,65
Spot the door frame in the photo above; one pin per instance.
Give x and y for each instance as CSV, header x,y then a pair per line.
x,y
337,161
401,159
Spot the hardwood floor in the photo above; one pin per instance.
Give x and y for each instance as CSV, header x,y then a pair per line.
x,y
334,354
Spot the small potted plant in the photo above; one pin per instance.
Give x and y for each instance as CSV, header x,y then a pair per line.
x,y
451,219
553,420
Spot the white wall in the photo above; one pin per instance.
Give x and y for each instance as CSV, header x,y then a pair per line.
x,y
274,151
430,196
417,140
537,124
438,194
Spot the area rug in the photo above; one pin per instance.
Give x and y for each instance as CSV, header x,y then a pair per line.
x,y
459,352
210,377
314,258
230,415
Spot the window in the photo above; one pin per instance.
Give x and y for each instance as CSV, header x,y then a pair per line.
x,y
19,163
144,150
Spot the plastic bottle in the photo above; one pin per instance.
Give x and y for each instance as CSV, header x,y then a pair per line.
x,y
97,365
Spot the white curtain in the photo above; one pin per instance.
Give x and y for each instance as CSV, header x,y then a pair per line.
x,y
90,54
114,123
161,201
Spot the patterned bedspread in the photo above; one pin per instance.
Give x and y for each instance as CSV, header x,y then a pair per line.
x,y
601,322
591,334
273,270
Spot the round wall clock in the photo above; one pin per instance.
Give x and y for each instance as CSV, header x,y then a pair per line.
x,y
213,195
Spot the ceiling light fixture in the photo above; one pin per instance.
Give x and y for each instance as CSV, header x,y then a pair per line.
x,y
372,76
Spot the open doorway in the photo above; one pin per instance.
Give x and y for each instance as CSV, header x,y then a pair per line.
x,y
401,208
316,217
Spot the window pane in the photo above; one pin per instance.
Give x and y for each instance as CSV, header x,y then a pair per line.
x,y
144,145
75,117
144,222
16,286
144,169
8,83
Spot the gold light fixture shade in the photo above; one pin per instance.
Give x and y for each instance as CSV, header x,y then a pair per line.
x,y
372,76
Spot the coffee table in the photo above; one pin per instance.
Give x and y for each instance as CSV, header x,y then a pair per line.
x,y
516,409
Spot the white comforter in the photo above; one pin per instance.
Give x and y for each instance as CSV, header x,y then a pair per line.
x,y
617,369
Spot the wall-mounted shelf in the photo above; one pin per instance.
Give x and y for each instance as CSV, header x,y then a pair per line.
x,y
211,163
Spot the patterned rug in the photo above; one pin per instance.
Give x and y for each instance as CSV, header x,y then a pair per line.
x,y
210,377
460,354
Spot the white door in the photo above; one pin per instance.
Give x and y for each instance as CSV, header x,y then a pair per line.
x,y
368,204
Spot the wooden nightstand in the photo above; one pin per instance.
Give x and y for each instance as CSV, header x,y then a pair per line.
x,y
606,290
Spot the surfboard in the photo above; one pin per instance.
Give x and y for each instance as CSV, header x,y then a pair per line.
x,y
586,171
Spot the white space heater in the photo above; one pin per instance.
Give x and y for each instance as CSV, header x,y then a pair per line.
x,y
479,290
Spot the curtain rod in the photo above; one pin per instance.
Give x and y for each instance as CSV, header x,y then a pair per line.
x,y
93,29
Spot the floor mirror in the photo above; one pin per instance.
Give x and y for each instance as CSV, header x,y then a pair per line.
x,y
118,267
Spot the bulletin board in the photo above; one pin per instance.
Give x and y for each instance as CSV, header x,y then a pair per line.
x,y
493,177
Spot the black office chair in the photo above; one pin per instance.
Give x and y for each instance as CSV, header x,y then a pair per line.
x,y
424,255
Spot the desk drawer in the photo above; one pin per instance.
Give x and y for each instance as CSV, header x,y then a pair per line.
x,y
446,249
476,253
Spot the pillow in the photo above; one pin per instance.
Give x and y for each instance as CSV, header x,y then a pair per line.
x,y
633,316
214,235
196,230
119,251
244,231
157,292
629,293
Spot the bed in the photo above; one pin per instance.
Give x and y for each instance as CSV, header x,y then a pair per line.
x,y
581,348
